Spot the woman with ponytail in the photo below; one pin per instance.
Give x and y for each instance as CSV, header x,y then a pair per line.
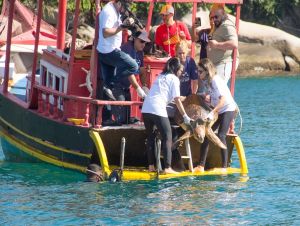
x,y
165,88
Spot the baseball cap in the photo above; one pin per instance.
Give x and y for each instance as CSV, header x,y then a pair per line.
x,y
143,35
167,9
217,6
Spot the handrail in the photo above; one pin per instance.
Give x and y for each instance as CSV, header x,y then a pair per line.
x,y
44,105
88,100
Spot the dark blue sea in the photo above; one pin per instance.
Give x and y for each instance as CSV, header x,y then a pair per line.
x,y
39,194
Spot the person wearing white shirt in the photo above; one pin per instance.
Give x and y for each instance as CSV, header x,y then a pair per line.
x,y
223,103
109,43
165,88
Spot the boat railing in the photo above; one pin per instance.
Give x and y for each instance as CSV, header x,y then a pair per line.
x,y
91,108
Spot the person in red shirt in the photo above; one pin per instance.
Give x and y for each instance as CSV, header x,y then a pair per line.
x,y
170,32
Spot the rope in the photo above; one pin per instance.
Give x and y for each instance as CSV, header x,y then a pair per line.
x,y
241,120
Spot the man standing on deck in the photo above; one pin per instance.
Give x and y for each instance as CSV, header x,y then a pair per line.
x,y
170,33
224,39
109,53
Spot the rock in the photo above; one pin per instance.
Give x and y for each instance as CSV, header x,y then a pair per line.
x,y
86,33
256,58
288,44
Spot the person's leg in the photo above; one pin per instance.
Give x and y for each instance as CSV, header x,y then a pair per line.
x,y
225,120
149,126
224,70
107,69
164,127
204,150
127,108
126,65
119,112
103,70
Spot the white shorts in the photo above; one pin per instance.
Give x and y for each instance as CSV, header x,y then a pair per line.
x,y
224,70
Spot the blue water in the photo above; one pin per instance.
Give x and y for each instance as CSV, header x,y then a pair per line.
x,y
36,194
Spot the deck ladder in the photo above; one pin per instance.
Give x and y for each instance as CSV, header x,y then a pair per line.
x,y
188,154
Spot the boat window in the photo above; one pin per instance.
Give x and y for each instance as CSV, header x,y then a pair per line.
x,y
50,80
57,83
44,76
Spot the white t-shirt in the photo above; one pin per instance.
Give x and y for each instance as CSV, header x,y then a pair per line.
x,y
219,88
109,18
164,89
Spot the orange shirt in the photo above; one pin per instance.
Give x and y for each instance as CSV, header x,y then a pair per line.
x,y
168,37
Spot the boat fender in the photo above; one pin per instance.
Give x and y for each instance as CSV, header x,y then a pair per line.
x,y
115,176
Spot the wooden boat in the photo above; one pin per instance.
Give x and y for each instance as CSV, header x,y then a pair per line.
x,y
60,124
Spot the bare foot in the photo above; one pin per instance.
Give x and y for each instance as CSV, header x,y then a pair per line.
x,y
170,171
223,170
199,169
151,168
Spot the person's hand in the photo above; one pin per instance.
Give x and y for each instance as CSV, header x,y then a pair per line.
x,y
141,93
186,119
128,22
210,116
207,98
146,90
213,43
182,35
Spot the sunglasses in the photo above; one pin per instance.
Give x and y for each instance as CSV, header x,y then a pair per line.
x,y
214,17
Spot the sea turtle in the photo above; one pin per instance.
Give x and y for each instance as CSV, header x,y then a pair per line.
x,y
197,109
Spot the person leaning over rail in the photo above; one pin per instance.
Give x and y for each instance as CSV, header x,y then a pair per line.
x,y
109,52
223,104
165,88
169,33
121,90
223,40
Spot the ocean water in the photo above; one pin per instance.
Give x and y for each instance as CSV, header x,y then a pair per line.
x,y
39,194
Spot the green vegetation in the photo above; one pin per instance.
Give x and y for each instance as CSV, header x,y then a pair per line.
x,y
267,12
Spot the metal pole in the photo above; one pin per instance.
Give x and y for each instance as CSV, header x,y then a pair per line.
x,y
72,50
123,142
61,25
36,45
193,21
234,56
8,44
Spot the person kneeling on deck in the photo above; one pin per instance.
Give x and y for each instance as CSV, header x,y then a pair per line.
x,y
109,54
165,88
121,90
223,105
94,173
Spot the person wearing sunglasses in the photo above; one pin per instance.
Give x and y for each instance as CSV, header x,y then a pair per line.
x,y
222,104
171,32
121,90
224,40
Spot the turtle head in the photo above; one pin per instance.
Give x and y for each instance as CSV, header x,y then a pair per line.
x,y
199,130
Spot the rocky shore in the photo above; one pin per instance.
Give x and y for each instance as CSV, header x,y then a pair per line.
x,y
264,50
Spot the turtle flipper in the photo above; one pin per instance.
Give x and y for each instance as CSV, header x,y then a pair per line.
x,y
214,138
186,135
